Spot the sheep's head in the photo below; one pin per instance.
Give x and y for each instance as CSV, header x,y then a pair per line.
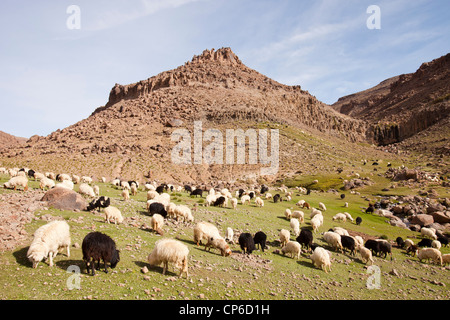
x,y
36,254
115,259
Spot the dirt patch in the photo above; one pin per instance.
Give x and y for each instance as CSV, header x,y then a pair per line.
x,y
16,210
253,261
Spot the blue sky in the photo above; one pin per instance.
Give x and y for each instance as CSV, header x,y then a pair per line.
x,y
52,76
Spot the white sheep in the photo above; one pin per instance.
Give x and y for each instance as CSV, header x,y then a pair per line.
x,y
316,222
300,203
46,183
295,225
157,222
259,202
321,259
152,194
340,217
76,179
86,189
408,243
96,190
314,212
229,235
333,239
285,237
18,181
300,215
322,206
47,241
170,208
349,216
125,194
268,196
234,203
428,232
210,199
64,177
67,184
205,230
133,189
86,179
446,259
430,253
293,248
288,214
340,231
183,212
366,254
245,198
436,244
170,250
218,243
112,213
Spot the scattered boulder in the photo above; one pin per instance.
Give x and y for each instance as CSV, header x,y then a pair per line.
x,y
65,199
422,219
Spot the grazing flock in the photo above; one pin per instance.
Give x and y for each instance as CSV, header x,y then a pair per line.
x,y
100,248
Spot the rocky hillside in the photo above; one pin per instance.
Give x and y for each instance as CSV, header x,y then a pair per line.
x,y
131,134
400,107
7,140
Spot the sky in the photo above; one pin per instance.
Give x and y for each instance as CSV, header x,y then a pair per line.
x,y
57,65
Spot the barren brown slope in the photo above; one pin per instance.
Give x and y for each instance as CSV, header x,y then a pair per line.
x,y
400,107
131,134
7,140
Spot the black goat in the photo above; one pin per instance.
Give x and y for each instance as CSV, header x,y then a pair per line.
x,y
98,246
157,207
219,202
197,192
276,198
264,189
260,238
187,188
246,242
102,202
305,238
425,243
358,221
349,243
400,242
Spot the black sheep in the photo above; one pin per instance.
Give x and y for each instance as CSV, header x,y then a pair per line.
x,y
385,247
241,192
219,202
305,238
400,242
246,242
197,192
358,221
260,239
31,173
373,245
348,243
425,243
187,188
98,246
157,207
342,196
276,198
102,202
251,195
160,189
443,239
370,209
264,189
